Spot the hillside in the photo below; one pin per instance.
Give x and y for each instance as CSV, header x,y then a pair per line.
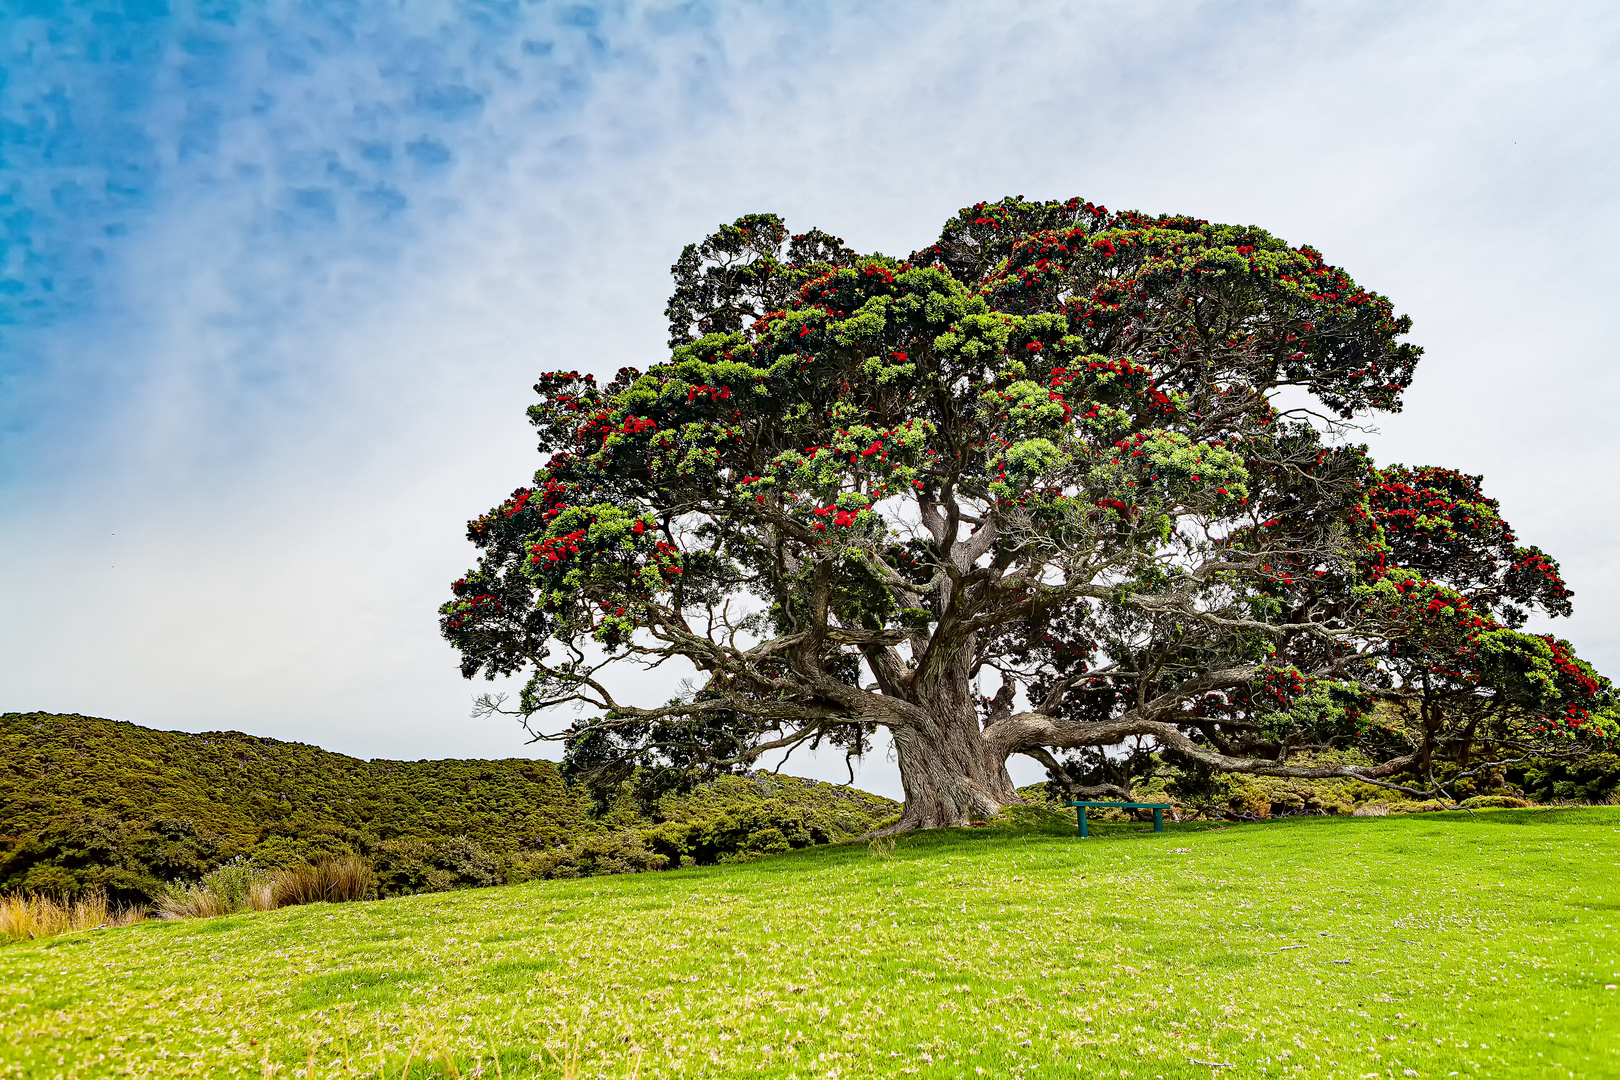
x,y
1406,946
87,801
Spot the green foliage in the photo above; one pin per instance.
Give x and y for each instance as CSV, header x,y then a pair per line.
x,y
741,817
1200,794
1594,779
88,803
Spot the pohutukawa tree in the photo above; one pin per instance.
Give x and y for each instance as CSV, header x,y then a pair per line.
x,y
1027,491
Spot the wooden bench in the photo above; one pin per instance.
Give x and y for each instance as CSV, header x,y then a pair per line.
x,y
1158,809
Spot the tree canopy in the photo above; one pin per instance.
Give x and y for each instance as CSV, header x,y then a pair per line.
x,y
1065,478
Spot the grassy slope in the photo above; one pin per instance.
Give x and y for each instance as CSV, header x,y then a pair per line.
x,y
1020,951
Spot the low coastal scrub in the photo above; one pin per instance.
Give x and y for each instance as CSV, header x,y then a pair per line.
x,y
90,804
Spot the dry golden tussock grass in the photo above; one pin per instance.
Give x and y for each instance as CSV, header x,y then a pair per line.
x,y
331,880
25,917
239,886
192,902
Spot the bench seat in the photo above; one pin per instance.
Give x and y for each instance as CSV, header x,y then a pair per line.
x,y
1157,808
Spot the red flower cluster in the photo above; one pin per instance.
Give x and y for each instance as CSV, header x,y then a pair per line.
x,y
844,519
471,611
550,498
557,548
666,557
515,505
1441,598
1279,686
1564,661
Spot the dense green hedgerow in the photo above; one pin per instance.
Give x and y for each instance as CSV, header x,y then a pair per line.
x,y
87,803
1594,778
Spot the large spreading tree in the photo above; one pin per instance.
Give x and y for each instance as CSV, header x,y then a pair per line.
x,y
1066,478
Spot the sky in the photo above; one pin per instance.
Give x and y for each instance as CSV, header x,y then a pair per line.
x,y
276,279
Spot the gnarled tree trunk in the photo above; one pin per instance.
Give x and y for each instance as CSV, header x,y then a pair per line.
x,y
950,772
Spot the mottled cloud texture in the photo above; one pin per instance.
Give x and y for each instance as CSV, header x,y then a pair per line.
x,y
275,278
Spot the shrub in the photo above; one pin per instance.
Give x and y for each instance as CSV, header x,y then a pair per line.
x,y
238,885
416,865
1427,807
1248,797
618,852
1593,780
234,883
469,862
1488,802
49,880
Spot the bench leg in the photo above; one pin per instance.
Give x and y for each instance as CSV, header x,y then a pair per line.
x,y
1081,812
1158,821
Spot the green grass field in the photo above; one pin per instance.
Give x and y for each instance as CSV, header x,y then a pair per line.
x,y
1429,946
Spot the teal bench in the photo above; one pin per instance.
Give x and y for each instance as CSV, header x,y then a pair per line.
x,y
1158,809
